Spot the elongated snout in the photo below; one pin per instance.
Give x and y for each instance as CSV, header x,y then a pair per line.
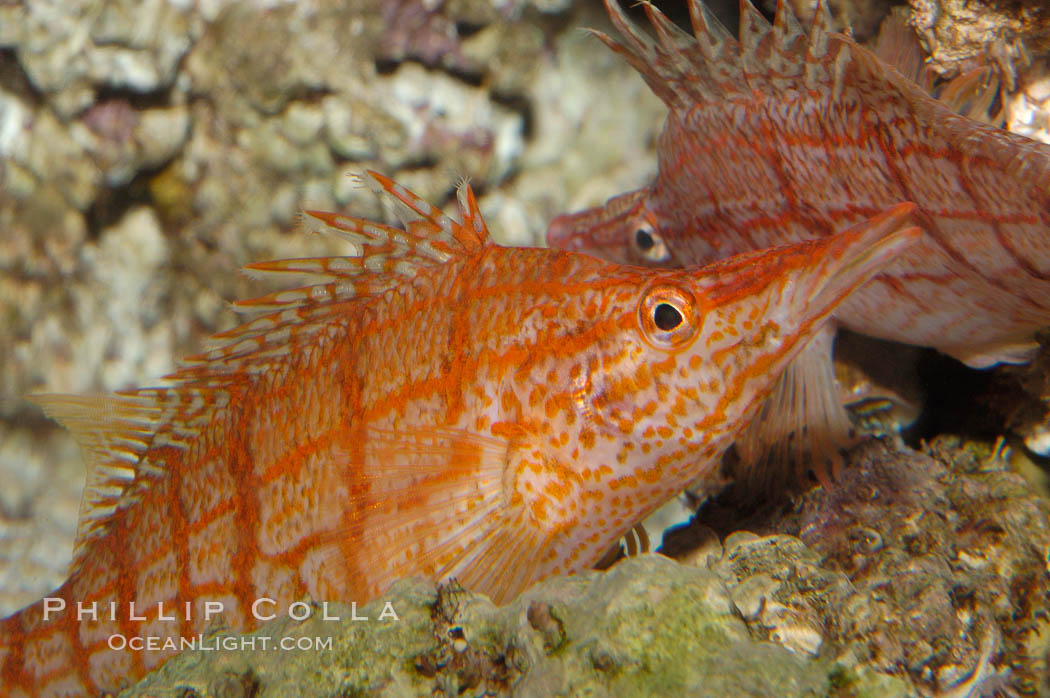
x,y
804,282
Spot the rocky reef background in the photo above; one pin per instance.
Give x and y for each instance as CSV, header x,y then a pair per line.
x,y
149,149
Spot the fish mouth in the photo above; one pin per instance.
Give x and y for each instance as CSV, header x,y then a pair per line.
x,y
562,233
574,232
602,230
810,279
851,258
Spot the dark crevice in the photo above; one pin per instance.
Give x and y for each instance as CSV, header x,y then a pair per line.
x,y
474,78
112,203
30,417
309,95
522,105
955,400
138,101
386,66
468,29
14,79
426,161
480,188
470,77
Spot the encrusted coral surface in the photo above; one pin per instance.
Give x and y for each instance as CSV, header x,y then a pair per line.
x,y
648,627
959,34
929,564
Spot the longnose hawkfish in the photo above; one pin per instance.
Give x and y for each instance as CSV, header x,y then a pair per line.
x,y
785,135
438,405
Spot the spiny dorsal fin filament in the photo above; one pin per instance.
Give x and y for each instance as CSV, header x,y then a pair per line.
x,y
754,48
473,233
786,27
386,257
712,64
639,52
785,34
408,207
815,71
710,34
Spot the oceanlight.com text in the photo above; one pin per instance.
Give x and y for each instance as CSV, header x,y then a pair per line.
x,y
153,643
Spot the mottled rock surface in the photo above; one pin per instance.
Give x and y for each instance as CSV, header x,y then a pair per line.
x,y
930,565
960,34
647,627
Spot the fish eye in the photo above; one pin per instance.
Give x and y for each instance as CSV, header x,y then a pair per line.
x,y
669,316
649,244
644,239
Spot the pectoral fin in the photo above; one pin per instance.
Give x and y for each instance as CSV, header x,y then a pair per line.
x,y
801,426
433,503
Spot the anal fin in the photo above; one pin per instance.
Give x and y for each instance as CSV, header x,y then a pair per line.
x,y
1020,350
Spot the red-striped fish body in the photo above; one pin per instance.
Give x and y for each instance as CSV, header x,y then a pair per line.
x,y
436,406
784,135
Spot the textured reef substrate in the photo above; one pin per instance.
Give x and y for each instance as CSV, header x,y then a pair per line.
x,y
917,574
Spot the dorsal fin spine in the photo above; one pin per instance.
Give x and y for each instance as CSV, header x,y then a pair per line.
x,y
710,34
786,27
815,72
638,51
674,42
753,31
783,56
818,32
839,73
422,208
472,214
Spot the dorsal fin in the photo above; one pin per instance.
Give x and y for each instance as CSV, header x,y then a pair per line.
x,y
118,431
786,27
713,65
114,431
755,50
898,45
711,36
786,32
387,257
783,64
818,68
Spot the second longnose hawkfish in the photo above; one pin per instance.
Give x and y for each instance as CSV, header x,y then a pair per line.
x,y
785,135
437,405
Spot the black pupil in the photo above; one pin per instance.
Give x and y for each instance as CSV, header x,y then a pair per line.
x,y
644,240
667,317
